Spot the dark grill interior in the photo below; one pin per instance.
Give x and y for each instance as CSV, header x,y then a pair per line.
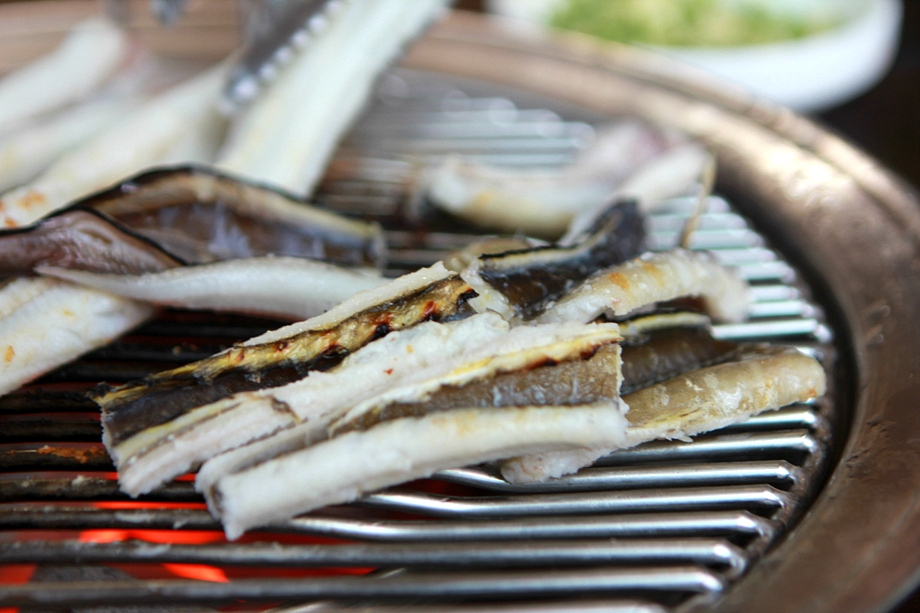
x,y
666,525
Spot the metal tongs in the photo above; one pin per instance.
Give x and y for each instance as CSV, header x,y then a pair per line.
x,y
274,31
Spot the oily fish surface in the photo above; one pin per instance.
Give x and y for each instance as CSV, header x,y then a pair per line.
x,y
716,396
655,277
753,380
379,448
150,446
291,351
424,370
393,452
304,405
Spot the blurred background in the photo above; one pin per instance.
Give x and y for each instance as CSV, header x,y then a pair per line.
x,y
885,120
853,65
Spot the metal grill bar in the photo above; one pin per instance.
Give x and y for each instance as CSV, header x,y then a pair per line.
x,y
792,445
706,239
793,417
54,426
760,497
494,586
621,478
626,606
709,221
738,523
710,552
81,486
778,329
767,293
742,525
782,308
523,125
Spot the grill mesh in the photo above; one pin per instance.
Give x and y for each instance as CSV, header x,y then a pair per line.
x,y
665,525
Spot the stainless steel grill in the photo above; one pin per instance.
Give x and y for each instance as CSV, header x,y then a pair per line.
x,y
668,525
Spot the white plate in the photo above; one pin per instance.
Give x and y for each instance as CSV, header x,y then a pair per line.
x,y
808,74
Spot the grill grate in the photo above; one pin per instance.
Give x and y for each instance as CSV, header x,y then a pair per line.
x,y
666,525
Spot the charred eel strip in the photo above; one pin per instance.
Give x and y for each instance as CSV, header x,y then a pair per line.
x,y
419,371
651,278
760,379
522,283
162,397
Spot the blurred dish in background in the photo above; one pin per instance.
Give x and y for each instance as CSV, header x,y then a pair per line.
x,y
807,55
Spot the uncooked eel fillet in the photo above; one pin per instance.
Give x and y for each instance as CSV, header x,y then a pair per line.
x,y
200,215
180,125
169,217
697,401
141,415
651,278
26,152
675,172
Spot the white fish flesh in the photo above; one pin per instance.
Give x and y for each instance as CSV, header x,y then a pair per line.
x,y
144,414
341,469
694,402
168,128
521,348
542,202
411,363
675,172
144,137
716,396
298,288
651,278
519,284
184,124
661,351
305,406
90,54
571,382
47,322
389,293
289,133
462,363
25,153
243,417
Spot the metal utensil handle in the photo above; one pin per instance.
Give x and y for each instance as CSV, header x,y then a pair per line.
x,y
275,28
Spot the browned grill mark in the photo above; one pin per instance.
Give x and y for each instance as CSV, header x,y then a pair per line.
x,y
163,397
